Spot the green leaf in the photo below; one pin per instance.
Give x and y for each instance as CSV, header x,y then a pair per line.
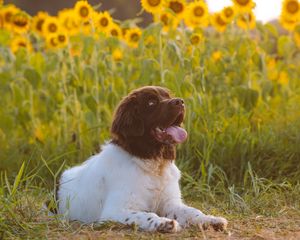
x,y
32,76
91,103
247,97
18,179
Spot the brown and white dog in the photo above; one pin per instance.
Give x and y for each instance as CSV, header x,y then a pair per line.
x,y
134,178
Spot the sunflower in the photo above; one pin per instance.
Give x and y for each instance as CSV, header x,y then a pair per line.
x,y
196,38
153,6
228,13
52,41
244,5
177,6
288,24
7,13
50,26
117,54
196,14
216,56
20,22
218,22
167,20
20,42
38,21
132,36
291,9
62,39
67,19
103,21
83,10
115,30
246,21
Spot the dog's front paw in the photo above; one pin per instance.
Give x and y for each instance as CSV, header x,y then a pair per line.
x,y
168,226
219,223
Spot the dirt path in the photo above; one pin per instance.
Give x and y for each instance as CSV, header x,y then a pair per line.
x,y
261,228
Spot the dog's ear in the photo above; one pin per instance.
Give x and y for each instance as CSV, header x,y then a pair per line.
x,y
127,121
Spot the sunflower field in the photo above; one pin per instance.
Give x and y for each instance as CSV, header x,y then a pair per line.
x,y
62,76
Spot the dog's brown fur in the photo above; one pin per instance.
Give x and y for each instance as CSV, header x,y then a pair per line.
x,y
134,121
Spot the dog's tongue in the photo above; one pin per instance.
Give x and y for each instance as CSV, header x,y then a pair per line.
x,y
178,134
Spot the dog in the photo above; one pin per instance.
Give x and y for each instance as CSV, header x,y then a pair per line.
x,y
134,179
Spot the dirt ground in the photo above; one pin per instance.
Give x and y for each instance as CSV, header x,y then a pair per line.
x,y
256,227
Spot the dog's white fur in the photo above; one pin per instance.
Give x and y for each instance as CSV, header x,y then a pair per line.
x,y
117,186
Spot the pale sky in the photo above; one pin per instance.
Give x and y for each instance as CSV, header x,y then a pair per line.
x,y
265,10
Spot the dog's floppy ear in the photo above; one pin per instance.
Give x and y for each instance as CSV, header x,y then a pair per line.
x,y
127,121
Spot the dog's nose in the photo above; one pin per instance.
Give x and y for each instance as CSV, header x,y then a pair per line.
x,y
177,101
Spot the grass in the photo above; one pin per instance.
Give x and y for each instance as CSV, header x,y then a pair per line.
x,y
242,157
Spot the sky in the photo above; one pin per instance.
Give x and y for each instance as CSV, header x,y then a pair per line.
x,y
265,10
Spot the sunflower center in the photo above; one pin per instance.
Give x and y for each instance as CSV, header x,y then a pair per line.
x,y
153,3
52,27
134,37
53,42
220,21
292,7
104,22
114,32
39,24
84,11
164,19
198,11
7,16
242,2
22,44
195,39
61,38
20,22
228,12
247,18
176,7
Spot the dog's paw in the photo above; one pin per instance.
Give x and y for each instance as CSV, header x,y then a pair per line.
x,y
168,226
219,223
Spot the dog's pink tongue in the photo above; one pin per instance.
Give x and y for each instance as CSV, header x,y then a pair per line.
x,y
178,134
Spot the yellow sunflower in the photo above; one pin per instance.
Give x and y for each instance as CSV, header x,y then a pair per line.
x,y
218,22
38,21
115,30
103,21
177,6
287,23
244,5
246,21
228,13
20,42
117,54
132,36
20,22
196,38
196,14
153,6
51,25
291,9
216,56
67,19
83,10
7,13
52,41
168,21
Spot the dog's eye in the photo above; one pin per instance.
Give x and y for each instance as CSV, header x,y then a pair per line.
x,y
152,102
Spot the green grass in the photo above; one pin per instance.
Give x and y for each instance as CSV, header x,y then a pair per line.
x,y
242,156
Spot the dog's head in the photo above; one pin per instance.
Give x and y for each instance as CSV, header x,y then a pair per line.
x,y
147,123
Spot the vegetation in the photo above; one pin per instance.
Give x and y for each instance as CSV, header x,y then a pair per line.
x,y
62,76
